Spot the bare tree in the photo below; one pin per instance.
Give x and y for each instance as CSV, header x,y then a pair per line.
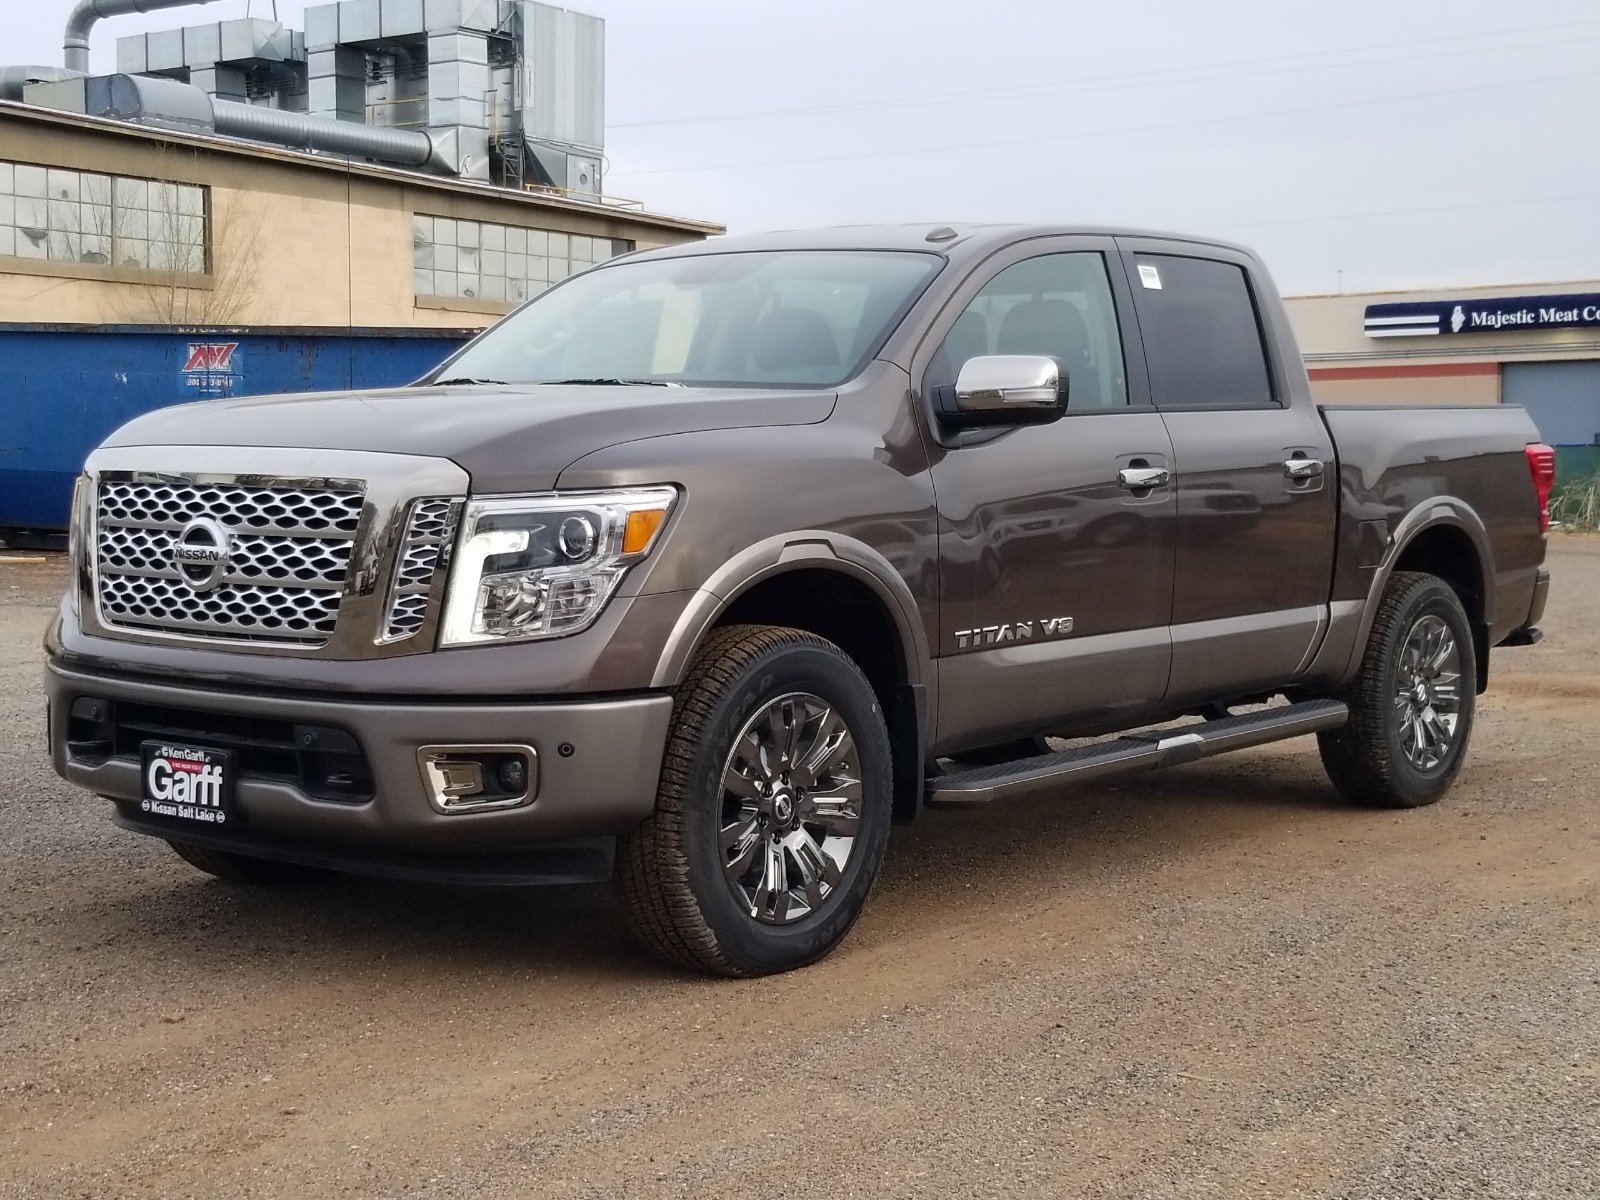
x,y
219,239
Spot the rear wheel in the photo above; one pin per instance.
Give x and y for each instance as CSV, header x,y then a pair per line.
x,y
1411,704
773,810
242,868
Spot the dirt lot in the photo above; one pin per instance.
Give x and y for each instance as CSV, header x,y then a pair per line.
x,y
1217,982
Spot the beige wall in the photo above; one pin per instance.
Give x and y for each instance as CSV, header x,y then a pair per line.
x,y
1335,387
1329,329
295,242
1348,367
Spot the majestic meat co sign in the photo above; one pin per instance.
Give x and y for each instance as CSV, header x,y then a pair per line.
x,y
1432,317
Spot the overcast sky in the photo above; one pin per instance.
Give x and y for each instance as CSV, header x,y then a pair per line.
x,y
1416,143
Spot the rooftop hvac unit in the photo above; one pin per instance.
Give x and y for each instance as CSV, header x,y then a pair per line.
x,y
460,77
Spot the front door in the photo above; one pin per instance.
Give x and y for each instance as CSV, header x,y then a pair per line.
x,y
1254,468
1056,576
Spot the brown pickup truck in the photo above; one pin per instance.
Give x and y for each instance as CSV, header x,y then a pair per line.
x,y
710,564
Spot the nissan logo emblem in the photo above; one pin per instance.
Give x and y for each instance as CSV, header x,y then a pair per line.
x,y
201,553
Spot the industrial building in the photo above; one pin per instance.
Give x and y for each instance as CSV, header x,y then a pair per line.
x,y
106,222
1537,345
240,208
243,208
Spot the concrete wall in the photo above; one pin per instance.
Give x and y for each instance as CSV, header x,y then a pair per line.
x,y
296,240
1407,383
1330,329
1348,367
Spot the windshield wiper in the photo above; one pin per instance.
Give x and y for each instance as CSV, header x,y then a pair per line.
x,y
608,381
459,380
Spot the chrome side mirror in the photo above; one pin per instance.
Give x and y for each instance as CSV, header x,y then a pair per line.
x,y
1010,389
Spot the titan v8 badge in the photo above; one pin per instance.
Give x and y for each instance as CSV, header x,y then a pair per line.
x,y
1015,631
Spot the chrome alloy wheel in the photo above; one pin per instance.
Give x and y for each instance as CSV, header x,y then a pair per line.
x,y
1427,702
791,808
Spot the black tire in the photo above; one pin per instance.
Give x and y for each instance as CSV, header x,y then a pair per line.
x,y
671,874
1367,759
242,868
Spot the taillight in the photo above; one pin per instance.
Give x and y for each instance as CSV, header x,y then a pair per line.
x,y
1542,466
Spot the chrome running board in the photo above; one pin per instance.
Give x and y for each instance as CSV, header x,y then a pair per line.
x,y
1133,752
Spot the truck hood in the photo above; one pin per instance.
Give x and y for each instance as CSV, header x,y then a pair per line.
x,y
508,438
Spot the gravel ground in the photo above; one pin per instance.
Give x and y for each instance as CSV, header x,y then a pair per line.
x,y
1217,982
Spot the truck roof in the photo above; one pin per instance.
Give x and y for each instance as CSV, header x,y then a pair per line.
x,y
968,238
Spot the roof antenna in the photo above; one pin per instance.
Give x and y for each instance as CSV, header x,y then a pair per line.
x,y
942,234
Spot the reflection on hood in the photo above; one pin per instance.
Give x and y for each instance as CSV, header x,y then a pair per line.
x,y
508,438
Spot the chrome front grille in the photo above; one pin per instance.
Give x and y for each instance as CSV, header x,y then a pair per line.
x,y
282,555
429,530
276,510
278,614
302,560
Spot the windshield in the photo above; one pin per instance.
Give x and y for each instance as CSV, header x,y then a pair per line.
x,y
794,318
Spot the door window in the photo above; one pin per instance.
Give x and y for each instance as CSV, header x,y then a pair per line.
x,y
1202,334
1058,305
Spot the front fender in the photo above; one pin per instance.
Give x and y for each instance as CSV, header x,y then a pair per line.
x,y
816,548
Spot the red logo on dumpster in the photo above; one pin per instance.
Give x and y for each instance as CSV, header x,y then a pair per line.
x,y
210,356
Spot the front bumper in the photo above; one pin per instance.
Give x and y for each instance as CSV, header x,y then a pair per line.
x,y
599,764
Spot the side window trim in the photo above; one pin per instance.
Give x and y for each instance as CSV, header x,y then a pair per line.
x,y
1137,371
1274,385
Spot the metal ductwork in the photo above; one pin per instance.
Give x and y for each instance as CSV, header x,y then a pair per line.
x,y
14,79
75,42
172,104
409,147
504,90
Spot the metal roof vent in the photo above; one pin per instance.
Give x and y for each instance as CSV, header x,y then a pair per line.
x,y
75,41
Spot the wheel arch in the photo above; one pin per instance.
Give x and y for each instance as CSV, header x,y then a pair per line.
x,y
1448,540
839,589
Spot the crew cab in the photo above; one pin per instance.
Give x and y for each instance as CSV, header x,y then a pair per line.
x,y
707,566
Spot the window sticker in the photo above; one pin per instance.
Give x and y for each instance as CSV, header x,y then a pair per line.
x,y
1149,276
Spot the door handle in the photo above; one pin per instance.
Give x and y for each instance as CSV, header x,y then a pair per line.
x,y
1140,479
1303,468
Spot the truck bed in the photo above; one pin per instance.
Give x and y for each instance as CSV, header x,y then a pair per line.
x,y
1405,464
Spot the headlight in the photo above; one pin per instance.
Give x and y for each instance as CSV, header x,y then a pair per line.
x,y
544,566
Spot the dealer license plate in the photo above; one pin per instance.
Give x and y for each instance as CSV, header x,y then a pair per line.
x,y
186,783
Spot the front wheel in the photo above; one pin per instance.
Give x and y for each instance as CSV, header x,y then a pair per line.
x,y
773,809
1411,704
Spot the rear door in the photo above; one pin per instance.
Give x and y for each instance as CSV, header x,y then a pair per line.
x,y
1055,577
1257,493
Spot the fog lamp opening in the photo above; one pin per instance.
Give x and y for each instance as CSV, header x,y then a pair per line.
x,y
461,779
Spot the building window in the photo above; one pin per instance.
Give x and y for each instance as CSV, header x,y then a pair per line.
x,y
475,260
51,214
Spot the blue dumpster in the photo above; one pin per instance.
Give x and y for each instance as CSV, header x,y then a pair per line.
x,y
63,388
